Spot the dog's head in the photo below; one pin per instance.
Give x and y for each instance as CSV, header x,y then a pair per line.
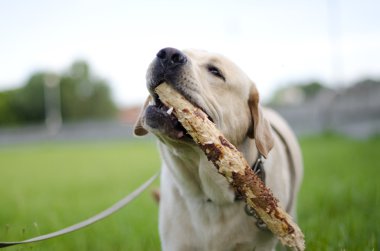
x,y
214,84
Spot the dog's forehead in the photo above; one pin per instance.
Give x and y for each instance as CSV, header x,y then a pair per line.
x,y
229,68
205,57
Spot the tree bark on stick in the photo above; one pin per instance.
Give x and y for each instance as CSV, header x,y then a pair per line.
x,y
233,166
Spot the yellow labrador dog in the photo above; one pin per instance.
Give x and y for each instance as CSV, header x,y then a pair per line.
x,y
198,209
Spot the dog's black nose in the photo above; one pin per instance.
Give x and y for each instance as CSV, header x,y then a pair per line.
x,y
171,57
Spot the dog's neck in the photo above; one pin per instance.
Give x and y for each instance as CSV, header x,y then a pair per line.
x,y
195,176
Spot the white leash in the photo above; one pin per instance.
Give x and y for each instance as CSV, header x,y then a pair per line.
x,y
114,208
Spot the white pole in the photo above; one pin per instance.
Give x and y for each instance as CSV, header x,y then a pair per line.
x,y
53,115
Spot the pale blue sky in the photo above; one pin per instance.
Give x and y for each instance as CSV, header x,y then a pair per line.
x,y
275,42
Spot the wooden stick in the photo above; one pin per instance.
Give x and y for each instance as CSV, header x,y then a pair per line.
x,y
232,165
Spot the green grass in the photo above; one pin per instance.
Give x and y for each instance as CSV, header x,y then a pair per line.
x,y
47,186
339,205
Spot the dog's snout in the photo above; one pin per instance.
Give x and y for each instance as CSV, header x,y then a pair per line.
x,y
168,66
170,57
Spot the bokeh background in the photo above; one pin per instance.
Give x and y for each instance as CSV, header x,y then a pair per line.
x,y
72,82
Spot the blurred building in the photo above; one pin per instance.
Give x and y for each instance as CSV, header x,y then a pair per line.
x,y
129,115
354,111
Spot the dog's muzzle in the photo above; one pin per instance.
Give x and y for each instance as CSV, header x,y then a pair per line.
x,y
166,67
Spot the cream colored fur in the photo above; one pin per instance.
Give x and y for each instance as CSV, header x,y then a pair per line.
x,y
197,209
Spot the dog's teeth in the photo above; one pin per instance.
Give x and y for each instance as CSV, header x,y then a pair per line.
x,y
209,143
170,110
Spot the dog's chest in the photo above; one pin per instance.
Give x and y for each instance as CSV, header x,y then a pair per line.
x,y
214,186
222,227
196,177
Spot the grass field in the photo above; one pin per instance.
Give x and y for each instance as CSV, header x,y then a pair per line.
x,y
47,186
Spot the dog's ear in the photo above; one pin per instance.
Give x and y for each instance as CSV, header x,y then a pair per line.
x,y
139,130
260,129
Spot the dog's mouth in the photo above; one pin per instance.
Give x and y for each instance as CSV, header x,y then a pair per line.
x,y
161,118
167,122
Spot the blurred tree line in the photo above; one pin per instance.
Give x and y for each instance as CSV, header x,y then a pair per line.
x,y
301,91
297,93
82,96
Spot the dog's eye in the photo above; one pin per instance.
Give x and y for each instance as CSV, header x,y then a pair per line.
x,y
215,71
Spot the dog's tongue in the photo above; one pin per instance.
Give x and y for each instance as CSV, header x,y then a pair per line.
x,y
180,134
175,129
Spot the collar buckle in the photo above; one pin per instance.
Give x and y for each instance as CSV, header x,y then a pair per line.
x,y
258,169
